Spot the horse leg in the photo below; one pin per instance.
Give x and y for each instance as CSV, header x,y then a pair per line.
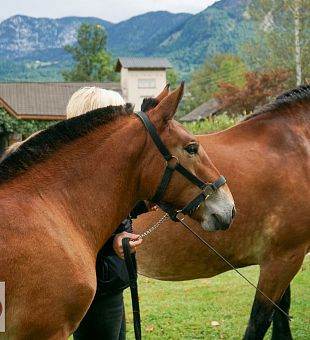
x,y
262,316
260,320
280,326
275,277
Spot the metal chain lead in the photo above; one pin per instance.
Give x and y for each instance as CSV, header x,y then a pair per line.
x,y
155,226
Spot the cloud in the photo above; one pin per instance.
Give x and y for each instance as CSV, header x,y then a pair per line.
x,y
111,10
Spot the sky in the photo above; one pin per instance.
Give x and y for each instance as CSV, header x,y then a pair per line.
x,y
110,10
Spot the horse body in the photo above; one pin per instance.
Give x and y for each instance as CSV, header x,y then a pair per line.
x,y
266,160
50,255
60,204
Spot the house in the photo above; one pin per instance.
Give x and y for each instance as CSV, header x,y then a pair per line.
x,y
204,111
142,77
39,101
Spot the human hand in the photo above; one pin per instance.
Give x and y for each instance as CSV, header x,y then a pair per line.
x,y
135,241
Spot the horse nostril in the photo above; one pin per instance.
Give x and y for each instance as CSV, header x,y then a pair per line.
x,y
233,212
220,223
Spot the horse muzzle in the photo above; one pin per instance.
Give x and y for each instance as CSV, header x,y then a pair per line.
x,y
218,213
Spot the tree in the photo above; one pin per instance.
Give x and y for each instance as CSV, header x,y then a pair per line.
x,y
257,91
93,62
26,127
283,37
172,78
205,81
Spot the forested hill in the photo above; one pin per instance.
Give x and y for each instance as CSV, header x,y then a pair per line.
x,y
32,48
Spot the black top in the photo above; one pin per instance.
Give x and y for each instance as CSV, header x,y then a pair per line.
x,y
112,276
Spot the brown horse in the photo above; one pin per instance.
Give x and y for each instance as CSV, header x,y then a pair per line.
x,y
62,194
266,159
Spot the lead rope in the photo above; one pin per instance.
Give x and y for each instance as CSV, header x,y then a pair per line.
x,y
166,216
133,275
232,266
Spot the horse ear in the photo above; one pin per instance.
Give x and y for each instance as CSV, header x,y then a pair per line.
x,y
164,93
167,108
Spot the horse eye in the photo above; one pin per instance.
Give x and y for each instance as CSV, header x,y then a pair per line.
x,y
192,148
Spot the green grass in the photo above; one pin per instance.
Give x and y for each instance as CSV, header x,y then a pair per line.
x,y
217,123
185,310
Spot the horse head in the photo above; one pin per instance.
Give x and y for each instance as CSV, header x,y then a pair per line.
x,y
186,181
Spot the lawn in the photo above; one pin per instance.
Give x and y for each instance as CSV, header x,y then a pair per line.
x,y
217,123
215,308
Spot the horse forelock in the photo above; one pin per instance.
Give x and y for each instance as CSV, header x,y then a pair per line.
x,y
44,144
297,95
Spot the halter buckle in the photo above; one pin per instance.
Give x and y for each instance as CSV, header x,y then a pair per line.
x,y
172,162
208,191
180,212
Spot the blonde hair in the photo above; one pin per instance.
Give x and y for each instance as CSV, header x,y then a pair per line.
x,y
91,98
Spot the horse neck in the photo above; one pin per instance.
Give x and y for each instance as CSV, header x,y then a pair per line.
x,y
291,115
281,129
95,182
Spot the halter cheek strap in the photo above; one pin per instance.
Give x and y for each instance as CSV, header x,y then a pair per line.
x,y
172,164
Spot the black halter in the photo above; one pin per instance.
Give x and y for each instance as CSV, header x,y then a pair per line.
x,y
173,164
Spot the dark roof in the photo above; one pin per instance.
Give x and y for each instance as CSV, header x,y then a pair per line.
x,y
142,63
203,111
45,101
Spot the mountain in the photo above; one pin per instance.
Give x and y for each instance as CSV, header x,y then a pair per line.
x,y
220,28
32,48
131,36
26,37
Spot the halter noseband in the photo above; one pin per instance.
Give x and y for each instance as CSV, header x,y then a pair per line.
x,y
173,165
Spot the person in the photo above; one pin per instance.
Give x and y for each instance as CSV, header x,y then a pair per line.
x,y
105,318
